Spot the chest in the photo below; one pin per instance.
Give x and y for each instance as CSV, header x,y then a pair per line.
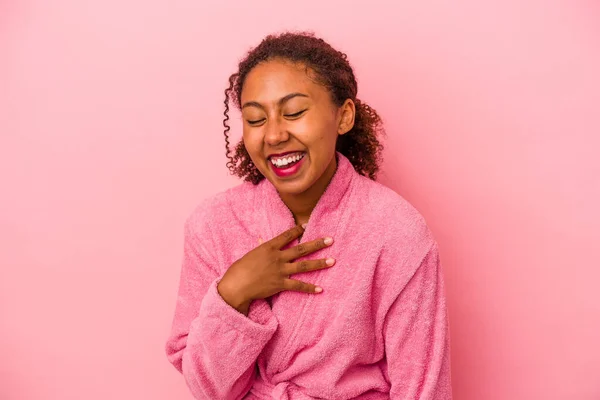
x,y
350,288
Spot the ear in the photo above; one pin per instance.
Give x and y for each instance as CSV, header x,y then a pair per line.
x,y
347,113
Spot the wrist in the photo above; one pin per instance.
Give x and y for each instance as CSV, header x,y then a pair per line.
x,y
233,297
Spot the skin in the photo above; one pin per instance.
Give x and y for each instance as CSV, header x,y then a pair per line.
x,y
266,270
284,109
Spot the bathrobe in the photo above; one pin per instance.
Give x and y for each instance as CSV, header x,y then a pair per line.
x,y
378,330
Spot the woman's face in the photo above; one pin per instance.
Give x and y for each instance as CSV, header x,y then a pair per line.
x,y
291,125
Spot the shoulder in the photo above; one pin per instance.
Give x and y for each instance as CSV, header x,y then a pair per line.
x,y
400,224
398,230
218,209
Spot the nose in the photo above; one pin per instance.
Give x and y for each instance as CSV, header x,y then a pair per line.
x,y
275,132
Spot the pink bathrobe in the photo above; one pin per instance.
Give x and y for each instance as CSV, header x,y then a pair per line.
x,y
377,331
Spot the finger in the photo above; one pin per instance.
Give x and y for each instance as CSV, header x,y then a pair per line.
x,y
286,237
299,286
306,266
305,248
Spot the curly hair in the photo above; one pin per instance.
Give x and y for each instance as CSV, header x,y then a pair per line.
x,y
332,69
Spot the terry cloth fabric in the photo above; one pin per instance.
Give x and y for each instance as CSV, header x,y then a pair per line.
x,y
377,331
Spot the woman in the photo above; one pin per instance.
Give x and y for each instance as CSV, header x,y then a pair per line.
x,y
310,280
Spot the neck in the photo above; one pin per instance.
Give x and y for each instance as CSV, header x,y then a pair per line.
x,y
301,205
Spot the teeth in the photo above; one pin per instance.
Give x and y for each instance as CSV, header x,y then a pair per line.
x,y
282,162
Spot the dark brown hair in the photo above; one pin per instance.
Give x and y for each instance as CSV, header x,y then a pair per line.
x,y
332,69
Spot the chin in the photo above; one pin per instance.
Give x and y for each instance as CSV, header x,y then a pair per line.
x,y
290,187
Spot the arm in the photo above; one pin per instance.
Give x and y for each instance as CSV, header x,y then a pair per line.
x,y
416,336
213,345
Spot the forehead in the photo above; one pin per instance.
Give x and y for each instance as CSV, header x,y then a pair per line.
x,y
271,80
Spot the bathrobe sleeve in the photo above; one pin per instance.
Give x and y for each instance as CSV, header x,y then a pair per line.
x,y
213,345
416,336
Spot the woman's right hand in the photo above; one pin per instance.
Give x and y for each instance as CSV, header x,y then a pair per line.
x,y
266,270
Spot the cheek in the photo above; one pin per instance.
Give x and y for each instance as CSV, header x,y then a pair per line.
x,y
316,130
251,140
327,135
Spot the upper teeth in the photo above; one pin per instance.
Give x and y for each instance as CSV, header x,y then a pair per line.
x,y
281,162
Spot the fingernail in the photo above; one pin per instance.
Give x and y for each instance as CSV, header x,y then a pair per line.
x,y
330,261
304,226
318,289
328,241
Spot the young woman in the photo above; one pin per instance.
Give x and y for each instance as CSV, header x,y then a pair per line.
x,y
310,280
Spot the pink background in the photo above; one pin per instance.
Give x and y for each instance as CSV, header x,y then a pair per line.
x,y
110,133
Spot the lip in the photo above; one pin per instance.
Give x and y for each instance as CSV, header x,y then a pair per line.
x,y
290,171
284,154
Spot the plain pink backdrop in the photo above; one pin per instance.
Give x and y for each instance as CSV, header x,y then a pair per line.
x,y
110,133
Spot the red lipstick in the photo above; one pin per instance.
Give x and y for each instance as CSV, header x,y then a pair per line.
x,y
287,170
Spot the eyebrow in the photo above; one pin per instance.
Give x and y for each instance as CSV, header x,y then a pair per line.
x,y
280,102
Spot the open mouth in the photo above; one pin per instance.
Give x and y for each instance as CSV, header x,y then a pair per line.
x,y
288,164
286,161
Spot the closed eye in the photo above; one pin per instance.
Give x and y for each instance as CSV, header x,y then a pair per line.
x,y
295,115
256,121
